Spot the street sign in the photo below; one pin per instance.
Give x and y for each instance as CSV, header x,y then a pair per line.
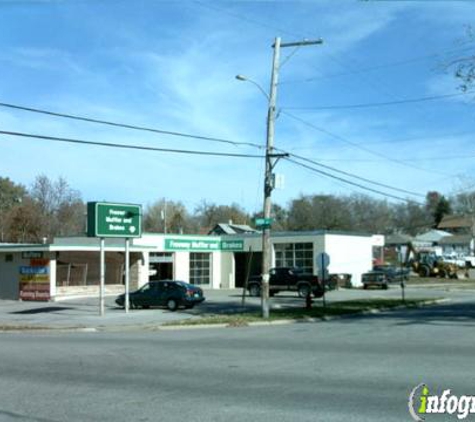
x,y
323,261
263,222
114,220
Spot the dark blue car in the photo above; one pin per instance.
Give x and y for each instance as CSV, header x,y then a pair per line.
x,y
169,293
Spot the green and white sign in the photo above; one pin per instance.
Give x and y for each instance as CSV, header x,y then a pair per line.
x,y
263,222
202,245
106,219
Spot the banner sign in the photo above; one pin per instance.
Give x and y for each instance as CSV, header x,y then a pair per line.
x,y
203,245
35,280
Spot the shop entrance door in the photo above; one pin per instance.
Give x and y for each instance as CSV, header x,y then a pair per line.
x,y
161,266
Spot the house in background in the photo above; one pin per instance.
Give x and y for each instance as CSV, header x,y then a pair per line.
x,y
456,224
431,240
230,228
458,244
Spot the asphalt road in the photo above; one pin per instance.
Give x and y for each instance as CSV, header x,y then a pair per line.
x,y
355,369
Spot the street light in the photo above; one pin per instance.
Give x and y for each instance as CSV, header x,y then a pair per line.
x,y
246,79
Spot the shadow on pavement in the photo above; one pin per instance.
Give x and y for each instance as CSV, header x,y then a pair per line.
x,y
456,314
47,309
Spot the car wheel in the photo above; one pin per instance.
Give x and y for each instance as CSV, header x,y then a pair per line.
x,y
254,290
365,286
385,286
304,290
172,305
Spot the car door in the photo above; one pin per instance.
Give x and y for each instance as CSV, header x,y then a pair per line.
x,y
273,279
143,297
160,294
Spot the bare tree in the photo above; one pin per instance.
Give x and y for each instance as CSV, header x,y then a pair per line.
x,y
165,216
11,195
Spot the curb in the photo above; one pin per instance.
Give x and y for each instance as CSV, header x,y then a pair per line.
x,y
4,329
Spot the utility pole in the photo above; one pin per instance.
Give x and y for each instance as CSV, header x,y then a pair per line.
x,y
271,159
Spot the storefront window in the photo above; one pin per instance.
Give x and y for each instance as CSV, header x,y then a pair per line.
x,y
294,255
200,268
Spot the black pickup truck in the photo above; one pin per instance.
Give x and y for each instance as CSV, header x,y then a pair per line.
x,y
287,279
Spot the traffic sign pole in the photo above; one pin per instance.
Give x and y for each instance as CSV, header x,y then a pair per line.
x,y
102,280
127,274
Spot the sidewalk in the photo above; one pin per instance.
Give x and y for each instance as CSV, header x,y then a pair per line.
x,y
83,314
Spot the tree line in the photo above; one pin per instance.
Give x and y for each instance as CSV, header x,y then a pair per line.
x,y
50,208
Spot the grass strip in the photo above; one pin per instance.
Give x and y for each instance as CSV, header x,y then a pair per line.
x,y
343,308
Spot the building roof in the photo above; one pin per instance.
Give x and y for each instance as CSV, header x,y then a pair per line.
x,y
462,239
455,222
433,236
398,239
223,228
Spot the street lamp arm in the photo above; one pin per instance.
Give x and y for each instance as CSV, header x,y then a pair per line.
x,y
246,79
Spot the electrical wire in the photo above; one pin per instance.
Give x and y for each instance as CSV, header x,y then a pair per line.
x,y
385,103
341,179
355,176
354,144
127,126
127,146
376,67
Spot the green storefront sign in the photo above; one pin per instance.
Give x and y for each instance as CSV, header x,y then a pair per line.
x,y
202,245
113,220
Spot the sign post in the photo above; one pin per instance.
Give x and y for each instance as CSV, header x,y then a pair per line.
x,y
105,219
323,261
127,274
102,277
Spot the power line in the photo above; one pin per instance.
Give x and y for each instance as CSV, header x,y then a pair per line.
x,y
386,103
356,177
127,126
128,146
341,179
376,67
354,144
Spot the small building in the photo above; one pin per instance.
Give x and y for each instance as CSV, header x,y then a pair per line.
x,y
230,228
458,244
69,267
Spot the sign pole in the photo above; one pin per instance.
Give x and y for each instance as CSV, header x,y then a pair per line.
x,y
324,267
102,280
127,274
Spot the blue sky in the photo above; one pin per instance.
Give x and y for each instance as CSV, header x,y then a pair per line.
x,y
172,66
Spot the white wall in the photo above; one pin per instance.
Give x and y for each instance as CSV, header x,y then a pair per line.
x,y
227,278
181,266
349,254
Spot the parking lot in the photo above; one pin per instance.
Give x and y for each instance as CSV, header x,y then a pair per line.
x,y
83,313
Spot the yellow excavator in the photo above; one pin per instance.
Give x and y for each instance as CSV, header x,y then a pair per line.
x,y
427,264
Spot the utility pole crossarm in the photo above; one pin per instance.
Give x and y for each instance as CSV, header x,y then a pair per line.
x,y
301,43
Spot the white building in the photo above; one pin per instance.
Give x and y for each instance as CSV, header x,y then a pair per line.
x,y
70,267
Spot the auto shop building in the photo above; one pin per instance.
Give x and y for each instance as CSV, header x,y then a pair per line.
x,y
69,267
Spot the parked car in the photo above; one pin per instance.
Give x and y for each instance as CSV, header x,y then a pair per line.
x,y
375,279
469,261
169,293
287,279
394,274
459,261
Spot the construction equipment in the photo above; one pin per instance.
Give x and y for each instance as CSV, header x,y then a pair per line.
x,y
427,264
